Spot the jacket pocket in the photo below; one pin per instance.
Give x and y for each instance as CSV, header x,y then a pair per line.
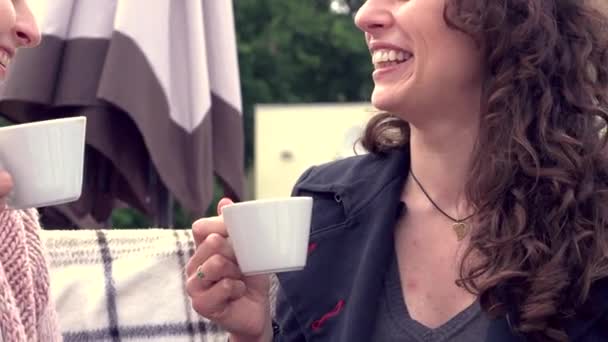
x,y
328,211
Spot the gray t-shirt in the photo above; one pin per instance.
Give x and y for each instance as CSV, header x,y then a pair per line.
x,y
393,323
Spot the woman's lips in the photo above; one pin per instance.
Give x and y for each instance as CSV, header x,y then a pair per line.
x,y
385,70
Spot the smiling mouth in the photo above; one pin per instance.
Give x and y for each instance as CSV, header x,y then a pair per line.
x,y
386,58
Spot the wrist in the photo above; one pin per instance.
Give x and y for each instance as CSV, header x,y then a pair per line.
x,y
267,336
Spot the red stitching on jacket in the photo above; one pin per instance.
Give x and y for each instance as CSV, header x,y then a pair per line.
x,y
316,325
312,247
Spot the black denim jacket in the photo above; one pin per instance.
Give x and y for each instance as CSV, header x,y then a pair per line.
x,y
334,299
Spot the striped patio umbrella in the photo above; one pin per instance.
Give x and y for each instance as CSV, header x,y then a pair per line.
x,y
159,83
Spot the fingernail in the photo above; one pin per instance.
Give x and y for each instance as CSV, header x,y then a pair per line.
x,y
221,204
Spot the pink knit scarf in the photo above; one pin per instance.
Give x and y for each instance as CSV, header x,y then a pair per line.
x,y
24,279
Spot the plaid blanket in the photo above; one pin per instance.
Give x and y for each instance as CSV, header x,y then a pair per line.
x,y
124,285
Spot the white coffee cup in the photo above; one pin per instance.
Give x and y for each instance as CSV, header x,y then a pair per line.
x,y
45,160
269,236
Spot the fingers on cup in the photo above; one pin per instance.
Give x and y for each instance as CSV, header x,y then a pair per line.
x,y
204,227
212,302
213,244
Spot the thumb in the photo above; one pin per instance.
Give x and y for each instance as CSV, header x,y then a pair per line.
x,y
222,203
6,184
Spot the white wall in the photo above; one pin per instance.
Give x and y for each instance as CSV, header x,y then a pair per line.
x,y
291,138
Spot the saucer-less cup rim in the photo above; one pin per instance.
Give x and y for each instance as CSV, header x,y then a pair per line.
x,y
26,125
253,203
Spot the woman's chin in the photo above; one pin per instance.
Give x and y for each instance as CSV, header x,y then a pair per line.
x,y
385,102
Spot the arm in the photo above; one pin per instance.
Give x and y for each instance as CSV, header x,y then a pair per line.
x,y
48,325
282,328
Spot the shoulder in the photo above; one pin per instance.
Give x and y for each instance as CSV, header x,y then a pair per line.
x,y
348,171
49,329
345,188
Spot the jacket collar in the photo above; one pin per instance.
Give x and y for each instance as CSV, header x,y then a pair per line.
x,y
359,183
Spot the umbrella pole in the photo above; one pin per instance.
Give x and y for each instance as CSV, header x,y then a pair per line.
x,y
163,213
165,207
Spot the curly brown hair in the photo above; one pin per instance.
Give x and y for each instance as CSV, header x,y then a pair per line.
x,y
539,177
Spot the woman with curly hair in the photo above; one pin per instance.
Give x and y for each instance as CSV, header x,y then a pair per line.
x,y
481,211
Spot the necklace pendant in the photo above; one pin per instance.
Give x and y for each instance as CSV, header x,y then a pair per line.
x,y
461,229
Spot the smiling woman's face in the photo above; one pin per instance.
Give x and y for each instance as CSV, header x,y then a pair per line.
x,y
418,60
17,29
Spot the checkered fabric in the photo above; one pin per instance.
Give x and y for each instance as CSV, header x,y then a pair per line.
x,y
124,285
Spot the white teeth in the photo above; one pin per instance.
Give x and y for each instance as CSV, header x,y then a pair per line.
x,y
385,56
5,59
380,56
392,55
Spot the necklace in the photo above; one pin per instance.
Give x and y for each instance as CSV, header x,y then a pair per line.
x,y
460,227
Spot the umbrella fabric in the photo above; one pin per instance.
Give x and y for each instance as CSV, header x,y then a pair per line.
x,y
159,83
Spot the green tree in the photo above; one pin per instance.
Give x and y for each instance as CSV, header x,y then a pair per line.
x,y
294,51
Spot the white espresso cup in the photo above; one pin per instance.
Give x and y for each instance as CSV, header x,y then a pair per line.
x,y
45,160
269,236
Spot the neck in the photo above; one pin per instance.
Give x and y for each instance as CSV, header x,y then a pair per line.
x,y
441,155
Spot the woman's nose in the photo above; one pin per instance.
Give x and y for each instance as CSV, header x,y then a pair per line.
x,y
373,17
26,30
